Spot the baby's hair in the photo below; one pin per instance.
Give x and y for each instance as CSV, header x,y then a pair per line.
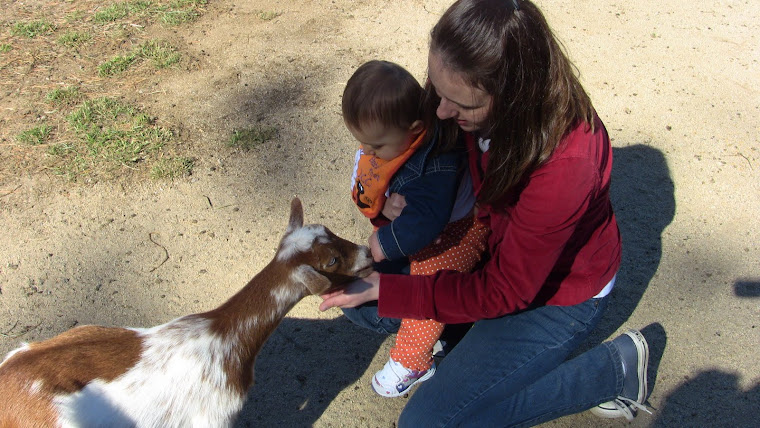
x,y
382,92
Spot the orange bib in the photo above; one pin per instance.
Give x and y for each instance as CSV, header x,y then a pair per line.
x,y
372,176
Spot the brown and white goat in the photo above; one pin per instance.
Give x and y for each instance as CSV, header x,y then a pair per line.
x,y
193,371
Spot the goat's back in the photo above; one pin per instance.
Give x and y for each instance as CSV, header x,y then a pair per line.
x,y
97,376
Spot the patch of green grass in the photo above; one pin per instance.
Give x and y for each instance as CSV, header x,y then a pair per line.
x,y
112,134
64,96
161,54
5,47
75,165
99,112
172,168
61,149
32,29
117,65
140,6
174,13
268,15
122,10
178,16
111,13
249,138
74,39
75,16
35,136
188,3
185,4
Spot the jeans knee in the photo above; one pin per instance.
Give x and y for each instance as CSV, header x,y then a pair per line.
x,y
410,417
367,317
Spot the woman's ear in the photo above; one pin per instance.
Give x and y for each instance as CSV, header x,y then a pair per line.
x,y
416,127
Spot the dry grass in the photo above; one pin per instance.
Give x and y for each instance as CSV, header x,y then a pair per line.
x,y
58,60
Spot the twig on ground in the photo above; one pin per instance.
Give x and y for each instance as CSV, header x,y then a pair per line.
x,y
210,204
166,252
8,193
8,334
746,159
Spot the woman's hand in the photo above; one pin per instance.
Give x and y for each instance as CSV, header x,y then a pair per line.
x,y
393,206
356,293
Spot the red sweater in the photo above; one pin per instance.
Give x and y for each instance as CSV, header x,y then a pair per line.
x,y
559,244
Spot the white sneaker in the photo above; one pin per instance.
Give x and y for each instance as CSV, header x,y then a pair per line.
x,y
634,353
395,379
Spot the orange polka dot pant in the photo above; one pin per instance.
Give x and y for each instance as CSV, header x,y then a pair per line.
x,y
459,247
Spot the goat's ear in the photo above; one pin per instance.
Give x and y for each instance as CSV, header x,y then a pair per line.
x,y
296,216
314,281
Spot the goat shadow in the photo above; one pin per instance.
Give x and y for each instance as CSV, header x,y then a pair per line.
x,y
643,197
302,368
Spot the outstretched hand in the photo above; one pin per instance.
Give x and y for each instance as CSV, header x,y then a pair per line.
x,y
356,293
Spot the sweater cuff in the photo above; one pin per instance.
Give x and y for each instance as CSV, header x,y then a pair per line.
x,y
398,297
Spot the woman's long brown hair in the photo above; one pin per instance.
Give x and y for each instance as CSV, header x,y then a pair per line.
x,y
507,49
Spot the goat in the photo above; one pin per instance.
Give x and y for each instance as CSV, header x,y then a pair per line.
x,y
194,371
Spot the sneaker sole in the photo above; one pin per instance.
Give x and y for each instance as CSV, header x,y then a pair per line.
x,y
608,410
391,394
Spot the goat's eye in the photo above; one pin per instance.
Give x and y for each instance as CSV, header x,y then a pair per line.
x,y
332,261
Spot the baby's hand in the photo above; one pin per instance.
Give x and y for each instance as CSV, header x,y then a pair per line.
x,y
375,249
393,206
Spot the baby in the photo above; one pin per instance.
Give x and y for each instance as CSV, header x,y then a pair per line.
x,y
399,154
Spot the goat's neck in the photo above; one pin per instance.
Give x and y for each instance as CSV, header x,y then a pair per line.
x,y
246,320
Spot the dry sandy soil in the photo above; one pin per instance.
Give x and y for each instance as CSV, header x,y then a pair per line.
x,y
675,82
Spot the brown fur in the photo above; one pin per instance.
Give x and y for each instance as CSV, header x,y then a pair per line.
x,y
63,364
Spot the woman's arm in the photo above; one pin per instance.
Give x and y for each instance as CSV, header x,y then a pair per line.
x,y
527,245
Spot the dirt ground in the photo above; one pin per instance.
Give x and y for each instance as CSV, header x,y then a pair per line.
x,y
675,82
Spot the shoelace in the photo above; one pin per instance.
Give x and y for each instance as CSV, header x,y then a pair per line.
x,y
623,405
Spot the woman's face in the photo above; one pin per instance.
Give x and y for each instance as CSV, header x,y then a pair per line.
x,y
466,104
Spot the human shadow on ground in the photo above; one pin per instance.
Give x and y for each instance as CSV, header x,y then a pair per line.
x,y
713,398
302,368
643,198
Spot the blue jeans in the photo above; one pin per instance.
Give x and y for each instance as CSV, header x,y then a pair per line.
x,y
513,370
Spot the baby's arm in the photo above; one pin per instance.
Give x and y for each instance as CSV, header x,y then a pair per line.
x,y
391,210
430,199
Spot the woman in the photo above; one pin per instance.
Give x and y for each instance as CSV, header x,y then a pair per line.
x,y
541,161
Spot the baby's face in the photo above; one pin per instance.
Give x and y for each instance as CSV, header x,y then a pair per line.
x,y
383,142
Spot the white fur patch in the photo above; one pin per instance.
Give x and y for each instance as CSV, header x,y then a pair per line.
x,y
35,387
285,295
362,261
178,382
301,240
23,348
249,324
